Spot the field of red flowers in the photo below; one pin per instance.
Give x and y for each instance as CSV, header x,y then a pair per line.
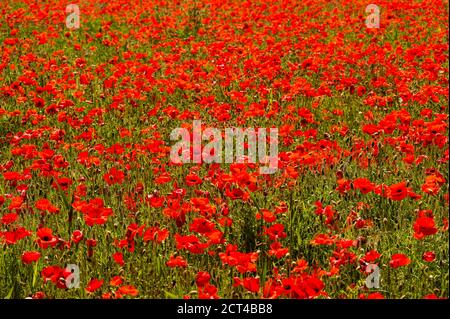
x,y
91,206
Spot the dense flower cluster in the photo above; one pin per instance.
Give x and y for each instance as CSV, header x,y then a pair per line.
x,y
86,177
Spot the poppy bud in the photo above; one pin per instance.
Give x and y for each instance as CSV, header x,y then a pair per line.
x,y
77,236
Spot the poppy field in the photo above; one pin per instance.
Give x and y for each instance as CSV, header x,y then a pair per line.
x,y
92,206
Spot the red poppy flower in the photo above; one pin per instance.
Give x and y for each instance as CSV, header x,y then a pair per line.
x,y
77,236
45,205
276,232
107,295
116,281
192,180
373,295
94,285
432,296
429,256
399,260
155,201
433,183
46,238
202,278
128,290
38,295
242,261
424,226
9,218
114,176
94,211
163,178
267,215
277,250
202,226
397,191
208,291
16,203
176,262
11,237
371,256
118,258
251,284
30,256
55,274
343,185
323,239
155,234
364,185
190,243
431,188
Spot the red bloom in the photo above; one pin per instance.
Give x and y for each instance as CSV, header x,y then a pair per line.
x,y
277,250
116,281
364,185
94,285
298,287
155,234
242,261
424,226
45,205
267,215
208,291
301,266
251,284
397,191
94,211
11,237
429,256
56,275
176,262
118,258
46,238
162,235
90,243
9,218
275,232
16,203
192,180
432,296
190,243
38,295
202,226
433,183
399,260
128,290
323,239
202,278
281,208
343,185
373,295
77,236
30,256
155,201
371,256
163,178
114,176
